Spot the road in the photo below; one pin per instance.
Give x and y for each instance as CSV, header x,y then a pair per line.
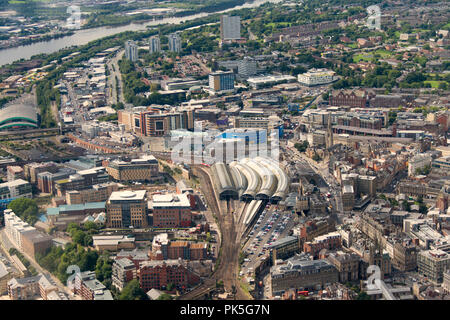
x,y
114,73
7,243
322,170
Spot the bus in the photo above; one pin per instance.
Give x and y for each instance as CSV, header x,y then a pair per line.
x,y
303,293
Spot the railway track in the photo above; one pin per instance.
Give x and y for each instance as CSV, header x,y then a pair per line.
x,y
228,269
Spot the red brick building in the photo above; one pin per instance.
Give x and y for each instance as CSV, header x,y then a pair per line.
x,y
351,98
328,241
159,274
171,211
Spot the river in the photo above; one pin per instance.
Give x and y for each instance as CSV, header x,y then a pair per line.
x,y
84,36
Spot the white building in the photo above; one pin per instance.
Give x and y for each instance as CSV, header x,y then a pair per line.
x,y
247,67
154,44
317,77
15,189
419,161
230,27
258,82
131,50
15,227
174,42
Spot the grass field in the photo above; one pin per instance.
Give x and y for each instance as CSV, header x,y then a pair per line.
x,y
434,83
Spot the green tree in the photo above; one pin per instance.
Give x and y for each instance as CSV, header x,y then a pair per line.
x,y
26,209
133,291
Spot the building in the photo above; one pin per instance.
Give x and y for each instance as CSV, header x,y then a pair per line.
x,y
34,241
159,274
40,286
221,81
302,274
329,241
314,228
127,208
83,179
154,44
113,243
230,27
433,264
154,122
15,173
405,256
131,50
350,98
16,116
418,162
171,211
347,264
33,169
143,169
268,81
14,189
98,193
26,237
446,283
89,288
174,42
123,271
247,67
283,248
316,77
5,275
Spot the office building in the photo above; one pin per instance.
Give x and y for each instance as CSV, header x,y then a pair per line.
x,y
302,274
170,211
316,77
141,169
14,189
154,44
418,162
221,81
433,264
98,193
230,27
283,248
127,208
174,42
247,67
82,180
131,50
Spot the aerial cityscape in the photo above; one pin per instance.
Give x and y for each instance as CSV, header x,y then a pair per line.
x,y
224,150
